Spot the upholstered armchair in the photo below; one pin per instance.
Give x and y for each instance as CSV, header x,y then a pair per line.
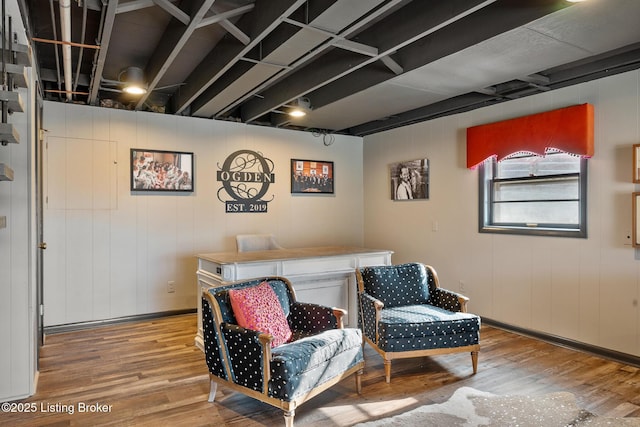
x,y
404,313
291,352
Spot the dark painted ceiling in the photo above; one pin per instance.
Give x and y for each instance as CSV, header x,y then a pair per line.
x,y
364,65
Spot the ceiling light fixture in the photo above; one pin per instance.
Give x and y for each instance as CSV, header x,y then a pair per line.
x,y
300,107
133,79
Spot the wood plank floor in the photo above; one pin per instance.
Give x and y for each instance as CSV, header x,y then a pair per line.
x,y
150,374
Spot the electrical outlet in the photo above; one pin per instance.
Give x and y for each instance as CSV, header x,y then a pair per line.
x,y
171,286
462,286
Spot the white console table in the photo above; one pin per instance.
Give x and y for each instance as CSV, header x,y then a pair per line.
x,y
322,275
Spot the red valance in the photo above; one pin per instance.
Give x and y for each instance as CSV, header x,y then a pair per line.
x,y
567,129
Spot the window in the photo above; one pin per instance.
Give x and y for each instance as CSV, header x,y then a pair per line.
x,y
527,194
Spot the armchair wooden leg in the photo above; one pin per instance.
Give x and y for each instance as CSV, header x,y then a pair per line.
x,y
359,381
288,417
213,387
474,361
387,370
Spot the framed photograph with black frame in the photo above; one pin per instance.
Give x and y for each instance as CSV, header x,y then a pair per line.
x,y
410,180
312,176
158,170
636,163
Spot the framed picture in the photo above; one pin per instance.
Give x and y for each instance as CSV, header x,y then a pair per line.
x,y
410,180
636,220
312,176
155,170
636,163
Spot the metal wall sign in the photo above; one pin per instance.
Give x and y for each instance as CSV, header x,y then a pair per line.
x,y
245,176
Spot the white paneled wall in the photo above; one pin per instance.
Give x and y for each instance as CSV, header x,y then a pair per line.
x,y
111,252
17,282
18,311
581,289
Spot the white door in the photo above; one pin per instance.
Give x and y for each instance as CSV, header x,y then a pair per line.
x,y
79,184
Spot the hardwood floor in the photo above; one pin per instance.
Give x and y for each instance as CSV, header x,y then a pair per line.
x,y
150,374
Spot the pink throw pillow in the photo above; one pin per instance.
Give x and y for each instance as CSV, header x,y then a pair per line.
x,y
258,308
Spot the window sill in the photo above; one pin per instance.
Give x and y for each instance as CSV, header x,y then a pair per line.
x,y
534,231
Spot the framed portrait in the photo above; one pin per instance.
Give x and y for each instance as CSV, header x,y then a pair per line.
x,y
156,170
636,163
410,180
312,176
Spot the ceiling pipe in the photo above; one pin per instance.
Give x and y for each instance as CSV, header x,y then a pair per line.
x,y
65,29
84,31
55,37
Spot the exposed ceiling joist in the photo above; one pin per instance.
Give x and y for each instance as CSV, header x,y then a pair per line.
x,y
173,40
536,78
314,53
223,16
173,10
405,27
236,32
134,5
222,58
449,106
392,65
365,66
101,54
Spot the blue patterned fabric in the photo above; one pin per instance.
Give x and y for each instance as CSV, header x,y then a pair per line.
x,y
308,319
318,352
212,346
299,367
420,327
417,314
245,353
367,316
397,285
444,298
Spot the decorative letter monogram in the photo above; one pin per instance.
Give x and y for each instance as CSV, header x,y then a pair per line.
x,y
245,176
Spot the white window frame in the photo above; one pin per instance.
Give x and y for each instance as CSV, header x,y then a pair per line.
x,y
487,180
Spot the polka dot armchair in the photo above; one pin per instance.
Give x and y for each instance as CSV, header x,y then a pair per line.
x,y
319,354
403,313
